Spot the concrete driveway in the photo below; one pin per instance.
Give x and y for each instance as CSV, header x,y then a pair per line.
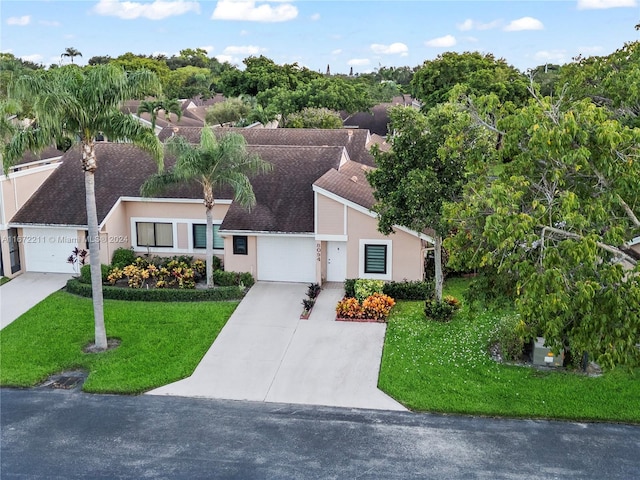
x,y
266,353
25,291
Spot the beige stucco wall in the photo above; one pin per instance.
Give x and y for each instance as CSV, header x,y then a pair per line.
x,y
330,216
406,251
18,187
241,263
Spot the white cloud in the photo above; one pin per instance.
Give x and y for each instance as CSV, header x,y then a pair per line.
x,y
393,49
226,58
337,51
603,4
441,42
555,56
470,24
524,23
358,62
249,10
35,58
207,48
157,10
315,17
243,50
244,33
19,21
50,23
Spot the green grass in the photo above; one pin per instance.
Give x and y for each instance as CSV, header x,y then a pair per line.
x,y
160,342
4,280
445,367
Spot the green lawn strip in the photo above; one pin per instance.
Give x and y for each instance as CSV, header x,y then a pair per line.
x,y
445,367
4,280
160,342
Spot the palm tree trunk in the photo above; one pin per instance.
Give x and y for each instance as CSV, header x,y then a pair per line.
x,y
209,247
439,280
89,165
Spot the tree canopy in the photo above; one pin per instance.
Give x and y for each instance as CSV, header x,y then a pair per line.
x,y
479,74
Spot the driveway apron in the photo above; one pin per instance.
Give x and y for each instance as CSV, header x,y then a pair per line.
x,y
266,353
25,291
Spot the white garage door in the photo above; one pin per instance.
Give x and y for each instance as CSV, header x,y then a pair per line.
x,y
285,259
47,249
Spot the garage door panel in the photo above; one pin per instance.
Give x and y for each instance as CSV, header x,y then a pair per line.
x,y
285,259
47,249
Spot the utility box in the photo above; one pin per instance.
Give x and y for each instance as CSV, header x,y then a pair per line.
x,y
544,357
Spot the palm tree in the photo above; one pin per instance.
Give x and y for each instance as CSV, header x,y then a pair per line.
x,y
153,107
212,164
70,52
79,104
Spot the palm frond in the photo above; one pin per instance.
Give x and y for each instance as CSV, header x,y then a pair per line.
x,y
158,182
122,127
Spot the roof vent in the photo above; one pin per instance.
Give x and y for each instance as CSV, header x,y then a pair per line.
x,y
364,167
354,179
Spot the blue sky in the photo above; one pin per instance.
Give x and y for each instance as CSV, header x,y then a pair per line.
x,y
344,34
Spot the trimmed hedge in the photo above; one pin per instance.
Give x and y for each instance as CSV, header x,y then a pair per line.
x,y
407,290
227,279
158,294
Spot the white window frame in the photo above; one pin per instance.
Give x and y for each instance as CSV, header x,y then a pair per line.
x,y
361,262
141,248
191,240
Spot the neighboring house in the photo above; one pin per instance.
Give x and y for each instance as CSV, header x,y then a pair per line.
x,y
16,187
312,221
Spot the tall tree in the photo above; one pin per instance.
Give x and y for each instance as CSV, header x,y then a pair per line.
x,y
71,53
212,164
80,105
555,220
231,110
480,75
153,107
424,168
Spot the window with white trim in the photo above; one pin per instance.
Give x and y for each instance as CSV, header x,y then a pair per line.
x,y
200,236
152,234
375,259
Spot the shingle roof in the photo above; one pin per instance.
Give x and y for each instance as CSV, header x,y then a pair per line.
x,y
354,140
285,201
47,153
350,183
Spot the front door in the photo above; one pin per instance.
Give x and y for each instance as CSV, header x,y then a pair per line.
x,y
14,250
336,261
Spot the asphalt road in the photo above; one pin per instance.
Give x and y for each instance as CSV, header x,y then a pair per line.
x,y
66,434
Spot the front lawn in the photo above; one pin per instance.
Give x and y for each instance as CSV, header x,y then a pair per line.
x,y
445,367
160,342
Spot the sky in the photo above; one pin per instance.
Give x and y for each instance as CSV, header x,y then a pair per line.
x,y
344,34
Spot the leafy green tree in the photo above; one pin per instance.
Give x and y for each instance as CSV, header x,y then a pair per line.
x,y
153,107
424,169
315,118
479,74
232,110
213,163
547,77
611,81
131,63
554,220
189,82
80,104
71,52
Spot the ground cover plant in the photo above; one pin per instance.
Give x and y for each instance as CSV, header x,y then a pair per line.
x,y
445,367
160,342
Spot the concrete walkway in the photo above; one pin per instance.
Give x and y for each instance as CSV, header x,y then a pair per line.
x,y
266,353
25,291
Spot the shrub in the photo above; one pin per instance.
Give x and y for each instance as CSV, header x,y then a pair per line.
x,y
308,304
377,306
441,311
313,291
365,288
350,287
222,278
158,295
123,257
349,307
512,336
85,273
409,290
